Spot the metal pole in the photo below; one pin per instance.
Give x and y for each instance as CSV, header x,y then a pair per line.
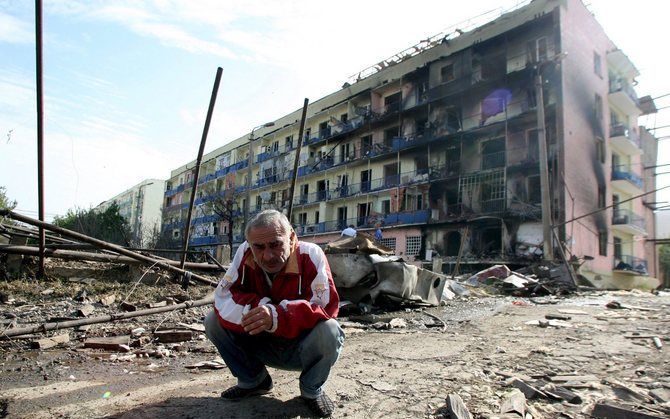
x,y
40,132
212,101
297,159
103,245
548,251
45,327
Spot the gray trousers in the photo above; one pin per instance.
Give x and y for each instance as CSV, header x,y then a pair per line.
x,y
313,353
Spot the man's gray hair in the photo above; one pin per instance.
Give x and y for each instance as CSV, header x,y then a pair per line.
x,y
269,218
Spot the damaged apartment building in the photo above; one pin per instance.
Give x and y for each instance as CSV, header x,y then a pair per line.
x,y
438,146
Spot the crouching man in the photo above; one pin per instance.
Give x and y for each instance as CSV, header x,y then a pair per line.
x,y
276,306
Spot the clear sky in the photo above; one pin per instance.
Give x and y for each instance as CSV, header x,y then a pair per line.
x,y
127,83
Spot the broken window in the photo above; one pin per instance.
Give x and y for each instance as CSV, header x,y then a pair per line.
x,y
602,243
598,108
447,73
597,64
534,189
302,218
493,153
386,206
601,197
600,150
618,245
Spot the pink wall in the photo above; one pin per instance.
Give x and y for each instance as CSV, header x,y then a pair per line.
x,y
581,36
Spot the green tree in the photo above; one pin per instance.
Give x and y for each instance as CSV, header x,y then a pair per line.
x,y
107,225
5,202
664,262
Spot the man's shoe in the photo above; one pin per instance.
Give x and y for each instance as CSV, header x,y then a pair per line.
x,y
321,406
238,393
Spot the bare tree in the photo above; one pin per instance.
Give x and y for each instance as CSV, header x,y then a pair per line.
x,y
223,204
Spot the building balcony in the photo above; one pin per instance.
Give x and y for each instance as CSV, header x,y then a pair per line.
x,y
625,140
628,222
623,96
208,240
631,265
175,191
493,160
370,221
624,179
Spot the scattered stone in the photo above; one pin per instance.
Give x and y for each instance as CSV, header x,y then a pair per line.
x,y
456,407
108,300
137,331
112,343
208,365
81,296
85,310
397,323
50,342
662,395
47,291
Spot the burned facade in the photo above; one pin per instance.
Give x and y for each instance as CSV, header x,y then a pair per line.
x,y
439,146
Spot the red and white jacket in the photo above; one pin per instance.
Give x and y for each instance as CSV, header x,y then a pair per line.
x,y
300,295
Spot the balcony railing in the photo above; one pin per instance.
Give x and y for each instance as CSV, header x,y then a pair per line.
x,y
621,130
624,173
630,263
405,217
627,217
493,160
621,85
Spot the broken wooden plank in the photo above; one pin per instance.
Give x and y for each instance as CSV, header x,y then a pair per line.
x,y
111,343
608,411
50,342
552,316
456,407
562,393
173,336
158,304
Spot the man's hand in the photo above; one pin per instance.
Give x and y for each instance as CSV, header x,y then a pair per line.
x,y
257,320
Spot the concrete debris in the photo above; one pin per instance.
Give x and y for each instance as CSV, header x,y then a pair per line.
x,y
108,300
609,411
50,342
662,395
214,364
384,280
494,272
85,310
456,407
514,402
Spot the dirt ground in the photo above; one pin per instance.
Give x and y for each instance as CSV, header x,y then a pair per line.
x,y
399,372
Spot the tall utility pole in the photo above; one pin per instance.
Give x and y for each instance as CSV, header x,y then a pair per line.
x,y
548,251
196,174
40,133
247,205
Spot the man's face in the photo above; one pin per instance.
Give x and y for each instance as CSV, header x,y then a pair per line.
x,y
271,247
